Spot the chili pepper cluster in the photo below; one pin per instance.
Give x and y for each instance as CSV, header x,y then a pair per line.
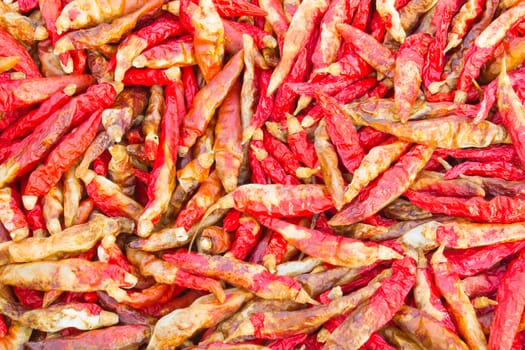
x,y
295,174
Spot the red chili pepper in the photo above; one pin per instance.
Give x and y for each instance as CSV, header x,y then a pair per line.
x,y
375,342
389,186
351,66
252,277
321,245
258,175
458,302
228,150
369,49
299,143
66,153
101,163
288,343
468,262
189,81
435,60
484,283
282,153
246,236
408,71
493,153
435,183
10,47
238,8
161,182
148,77
26,92
275,16
362,15
275,251
381,307
207,100
483,48
264,108
498,169
499,209
169,53
28,297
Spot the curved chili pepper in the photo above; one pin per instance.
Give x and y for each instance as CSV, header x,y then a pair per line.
x,y
408,71
172,52
296,37
428,331
161,182
261,38
134,44
207,100
484,47
389,186
329,248
459,304
462,21
151,122
252,277
369,49
379,309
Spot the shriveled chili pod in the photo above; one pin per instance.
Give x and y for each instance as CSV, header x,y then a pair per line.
x,y
373,52
104,33
151,122
120,169
391,17
275,17
283,324
329,165
459,304
166,273
330,248
376,161
408,71
173,329
245,238
278,200
483,48
299,143
497,169
252,277
11,214
207,100
26,92
228,151
263,110
172,52
61,158
33,148
162,183
389,186
109,198
162,28
75,275
427,330
426,295
214,240
261,38
378,310
121,336
72,196
150,76
296,37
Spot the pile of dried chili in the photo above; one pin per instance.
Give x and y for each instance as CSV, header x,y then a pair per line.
x,y
269,174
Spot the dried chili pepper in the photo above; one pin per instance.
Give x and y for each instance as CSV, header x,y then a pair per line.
x,y
246,236
408,71
11,215
483,47
296,37
214,240
172,52
11,47
207,101
208,39
379,309
261,38
173,329
53,208
283,324
262,112
496,169
252,277
459,304
161,182
299,143
389,186
499,209
114,337
151,122
275,16
134,44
